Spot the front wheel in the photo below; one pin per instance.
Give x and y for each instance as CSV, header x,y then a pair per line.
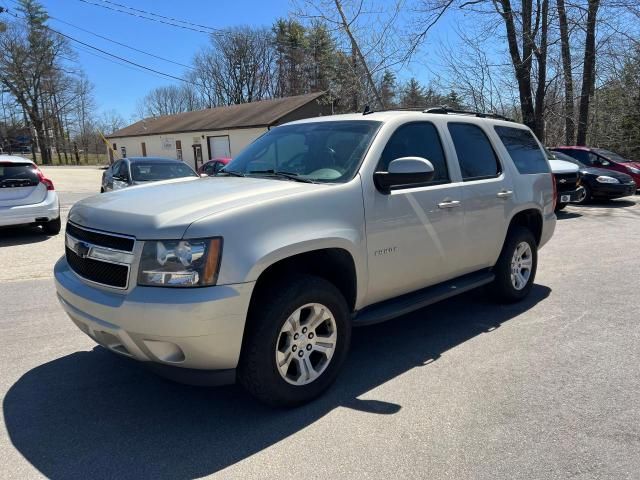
x,y
586,197
516,267
297,338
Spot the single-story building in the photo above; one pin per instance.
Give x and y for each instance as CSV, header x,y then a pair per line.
x,y
198,136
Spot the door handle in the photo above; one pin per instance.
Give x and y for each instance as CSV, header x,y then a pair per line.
x,y
449,204
505,193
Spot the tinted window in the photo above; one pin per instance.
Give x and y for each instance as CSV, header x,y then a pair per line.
x,y
475,154
18,175
523,149
419,139
123,170
318,151
152,171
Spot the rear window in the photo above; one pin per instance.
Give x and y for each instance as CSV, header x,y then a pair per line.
x,y
18,175
153,171
523,149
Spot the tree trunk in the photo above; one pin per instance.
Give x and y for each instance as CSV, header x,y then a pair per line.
x,y
522,65
541,88
565,50
588,72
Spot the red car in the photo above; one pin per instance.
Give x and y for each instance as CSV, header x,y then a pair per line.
x,y
601,158
213,166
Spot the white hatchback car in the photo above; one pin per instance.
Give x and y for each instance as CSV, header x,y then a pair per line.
x,y
27,197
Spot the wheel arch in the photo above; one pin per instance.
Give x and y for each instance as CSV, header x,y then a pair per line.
x,y
530,218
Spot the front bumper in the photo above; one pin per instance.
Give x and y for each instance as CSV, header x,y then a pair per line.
x,y
194,328
612,190
571,195
48,209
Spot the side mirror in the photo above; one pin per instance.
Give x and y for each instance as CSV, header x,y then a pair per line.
x,y
406,172
203,175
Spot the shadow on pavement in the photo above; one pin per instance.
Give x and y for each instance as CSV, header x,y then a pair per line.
x,y
95,415
564,215
10,236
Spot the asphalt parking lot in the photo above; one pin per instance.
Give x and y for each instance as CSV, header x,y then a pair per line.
x,y
548,388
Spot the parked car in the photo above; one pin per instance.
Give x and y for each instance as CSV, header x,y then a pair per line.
x,y
139,170
27,197
567,178
212,167
260,273
599,183
601,158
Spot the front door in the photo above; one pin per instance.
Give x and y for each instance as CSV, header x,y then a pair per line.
x,y
414,235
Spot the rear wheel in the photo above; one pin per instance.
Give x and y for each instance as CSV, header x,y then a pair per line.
x,y
296,341
52,227
516,267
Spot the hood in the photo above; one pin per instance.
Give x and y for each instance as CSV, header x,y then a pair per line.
x,y
621,177
164,210
560,166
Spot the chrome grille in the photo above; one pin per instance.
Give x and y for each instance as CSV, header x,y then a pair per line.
x,y
99,257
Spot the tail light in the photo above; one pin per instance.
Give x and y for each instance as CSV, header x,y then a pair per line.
x,y
47,183
555,191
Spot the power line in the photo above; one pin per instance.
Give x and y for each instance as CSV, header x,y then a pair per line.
x,y
210,32
120,43
161,16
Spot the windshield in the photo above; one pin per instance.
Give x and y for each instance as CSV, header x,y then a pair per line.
x,y
317,152
566,158
611,155
153,171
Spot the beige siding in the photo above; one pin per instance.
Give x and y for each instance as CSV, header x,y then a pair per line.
x,y
165,145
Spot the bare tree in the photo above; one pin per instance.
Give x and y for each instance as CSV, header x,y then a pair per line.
x,y
567,70
170,100
588,71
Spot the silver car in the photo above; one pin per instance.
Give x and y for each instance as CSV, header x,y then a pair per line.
x,y
259,274
139,170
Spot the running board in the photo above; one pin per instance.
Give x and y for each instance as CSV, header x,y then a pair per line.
x,y
388,309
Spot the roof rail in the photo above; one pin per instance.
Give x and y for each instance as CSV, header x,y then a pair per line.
x,y
446,110
441,110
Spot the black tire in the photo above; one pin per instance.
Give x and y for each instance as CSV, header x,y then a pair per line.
x,y
52,227
101,189
258,371
560,206
587,196
502,287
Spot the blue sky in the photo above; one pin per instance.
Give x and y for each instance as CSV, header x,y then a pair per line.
x,y
120,87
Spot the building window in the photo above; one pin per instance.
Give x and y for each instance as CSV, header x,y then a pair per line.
x,y
179,149
144,149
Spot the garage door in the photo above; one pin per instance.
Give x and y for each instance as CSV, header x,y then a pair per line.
x,y
219,147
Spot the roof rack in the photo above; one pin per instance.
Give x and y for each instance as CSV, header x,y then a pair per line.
x,y
446,110
440,110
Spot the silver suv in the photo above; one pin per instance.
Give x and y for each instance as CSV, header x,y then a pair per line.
x,y
259,274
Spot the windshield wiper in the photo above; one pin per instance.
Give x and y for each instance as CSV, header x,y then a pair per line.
x,y
289,175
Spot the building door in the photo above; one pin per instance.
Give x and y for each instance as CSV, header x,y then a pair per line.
x,y
144,149
219,147
197,155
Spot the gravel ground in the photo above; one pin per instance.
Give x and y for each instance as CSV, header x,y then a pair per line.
x,y
547,388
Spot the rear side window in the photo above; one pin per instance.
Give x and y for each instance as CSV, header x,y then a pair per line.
x,y
419,139
18,175
523,150
475,153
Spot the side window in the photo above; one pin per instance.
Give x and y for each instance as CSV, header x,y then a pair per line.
x,y
475,153
418,139
208,168
217,166
123,171
115,167
581,155
523,149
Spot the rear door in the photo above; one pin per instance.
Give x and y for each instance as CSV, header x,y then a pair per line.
x,y
20,184
488,194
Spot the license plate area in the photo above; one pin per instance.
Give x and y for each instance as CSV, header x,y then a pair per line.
x,y
565,198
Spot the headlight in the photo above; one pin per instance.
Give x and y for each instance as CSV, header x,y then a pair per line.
x,y
180,263
606,179
634,170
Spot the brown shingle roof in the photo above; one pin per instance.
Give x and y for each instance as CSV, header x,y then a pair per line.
x,y
254,114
